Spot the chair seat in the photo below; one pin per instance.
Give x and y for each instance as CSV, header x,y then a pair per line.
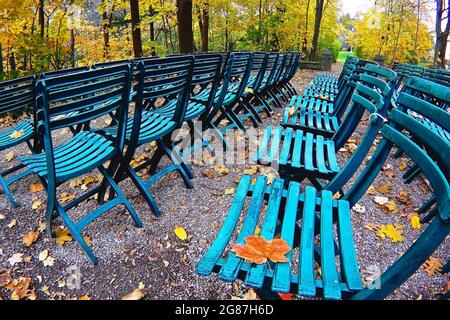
x,y
311,121
320,94
153,126
298,153
230,96
304,221
193,110
81,154
324,87
311,103
26,130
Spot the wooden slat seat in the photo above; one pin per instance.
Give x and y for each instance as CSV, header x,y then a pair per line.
x,y
24,128
299,152
79,155
153,126
294,217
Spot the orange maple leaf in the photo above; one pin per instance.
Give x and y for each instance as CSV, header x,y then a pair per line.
x,y
257,250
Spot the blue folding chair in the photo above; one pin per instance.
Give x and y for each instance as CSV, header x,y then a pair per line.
x,y
16,96
67,101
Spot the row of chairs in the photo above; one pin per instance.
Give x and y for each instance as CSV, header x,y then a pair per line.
x,y
314,221
166,92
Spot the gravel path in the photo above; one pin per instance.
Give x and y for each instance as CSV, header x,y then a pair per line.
x,y
161,265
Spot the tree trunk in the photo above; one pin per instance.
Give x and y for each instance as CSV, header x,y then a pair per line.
x,y
106,22
1,60
440,48
185,33
317,22
203,24
136,29
72,48
42,17
415,58
151,11
12,62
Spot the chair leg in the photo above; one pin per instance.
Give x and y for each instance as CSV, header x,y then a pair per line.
x,y
249,108
7,191
143,190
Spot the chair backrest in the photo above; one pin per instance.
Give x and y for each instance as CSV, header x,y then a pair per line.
x,y
438,228
164,80
373,93
437,75
206,74
78,98
294,66
62,72
279,67
110,64
272,67
17,94
259,68
241,67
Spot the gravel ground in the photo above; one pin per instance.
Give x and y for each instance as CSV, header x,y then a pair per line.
x,y
155,260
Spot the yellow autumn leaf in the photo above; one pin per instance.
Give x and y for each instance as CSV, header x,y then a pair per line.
x,y
392,232
137,294
9,156
62,236
385,188
85,297
16,134
292,111
181,233
36,205
402,166
30,238
252,170
36,187
222,170
229,191
415,222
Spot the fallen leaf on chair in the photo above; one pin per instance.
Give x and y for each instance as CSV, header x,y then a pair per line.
x,y
432,266
9,156
36,187
229,191
137,294
415,222
292,111
62,236
181,233
16,134
402,166
36,205
258,250
30,238
395,233
384,189
15,258
12,223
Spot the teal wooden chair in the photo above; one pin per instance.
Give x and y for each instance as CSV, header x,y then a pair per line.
x,y
16,96
205,80
234,82
159,83
322,116
332,78
80,97
300,155
307,221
